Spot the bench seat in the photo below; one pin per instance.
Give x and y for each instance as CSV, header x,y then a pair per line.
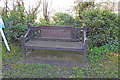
x,y
55,45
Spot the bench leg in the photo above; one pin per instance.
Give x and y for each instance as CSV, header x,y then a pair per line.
x,y
85,50
23,45
32,49
23,51
84,55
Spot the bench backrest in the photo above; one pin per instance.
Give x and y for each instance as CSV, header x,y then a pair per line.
x,y
62,33
56,32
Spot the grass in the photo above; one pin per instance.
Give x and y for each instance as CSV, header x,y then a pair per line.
x,y
102,66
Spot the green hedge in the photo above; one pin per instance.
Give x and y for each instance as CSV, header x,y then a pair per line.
x,y
102,26
15,26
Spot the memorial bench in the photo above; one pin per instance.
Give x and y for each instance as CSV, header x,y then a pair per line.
x,y
55,38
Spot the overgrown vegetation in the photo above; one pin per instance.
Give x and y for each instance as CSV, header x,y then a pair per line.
x,y
102,32
16,19
102,26
104,65
63,19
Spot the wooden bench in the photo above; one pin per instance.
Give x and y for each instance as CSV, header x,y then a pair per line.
x,y
55,38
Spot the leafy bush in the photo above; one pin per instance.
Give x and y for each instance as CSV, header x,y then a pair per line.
x,y
15,23
66,19
15,26
100,52
44,22
77,22
102,26
63,19
14,32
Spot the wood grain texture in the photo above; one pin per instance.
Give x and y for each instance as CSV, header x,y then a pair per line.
x,y
56,33
52,48
55,44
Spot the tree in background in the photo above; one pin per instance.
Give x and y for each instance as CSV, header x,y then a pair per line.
x,y
107,4
16,19
32,12
79,7
82,6
46,9
6,8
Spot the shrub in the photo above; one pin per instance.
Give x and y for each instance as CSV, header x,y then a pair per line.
x,y
100,52
102,26
44,22
63,19
15,23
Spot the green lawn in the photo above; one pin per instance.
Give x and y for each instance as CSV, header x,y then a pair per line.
x,y
103,67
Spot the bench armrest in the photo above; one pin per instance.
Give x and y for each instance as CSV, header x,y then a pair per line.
x,y
85,41
23,38
26,35
84,33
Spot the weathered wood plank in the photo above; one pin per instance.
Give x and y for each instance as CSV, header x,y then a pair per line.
x,y
32,31
72,34
75,36
53,44
54,27
85,49
37,33
84,34
56,39
56,33
79,35
52,48
27,34
23,45
57,27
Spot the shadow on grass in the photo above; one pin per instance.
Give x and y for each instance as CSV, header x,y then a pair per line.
x,y
54,57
